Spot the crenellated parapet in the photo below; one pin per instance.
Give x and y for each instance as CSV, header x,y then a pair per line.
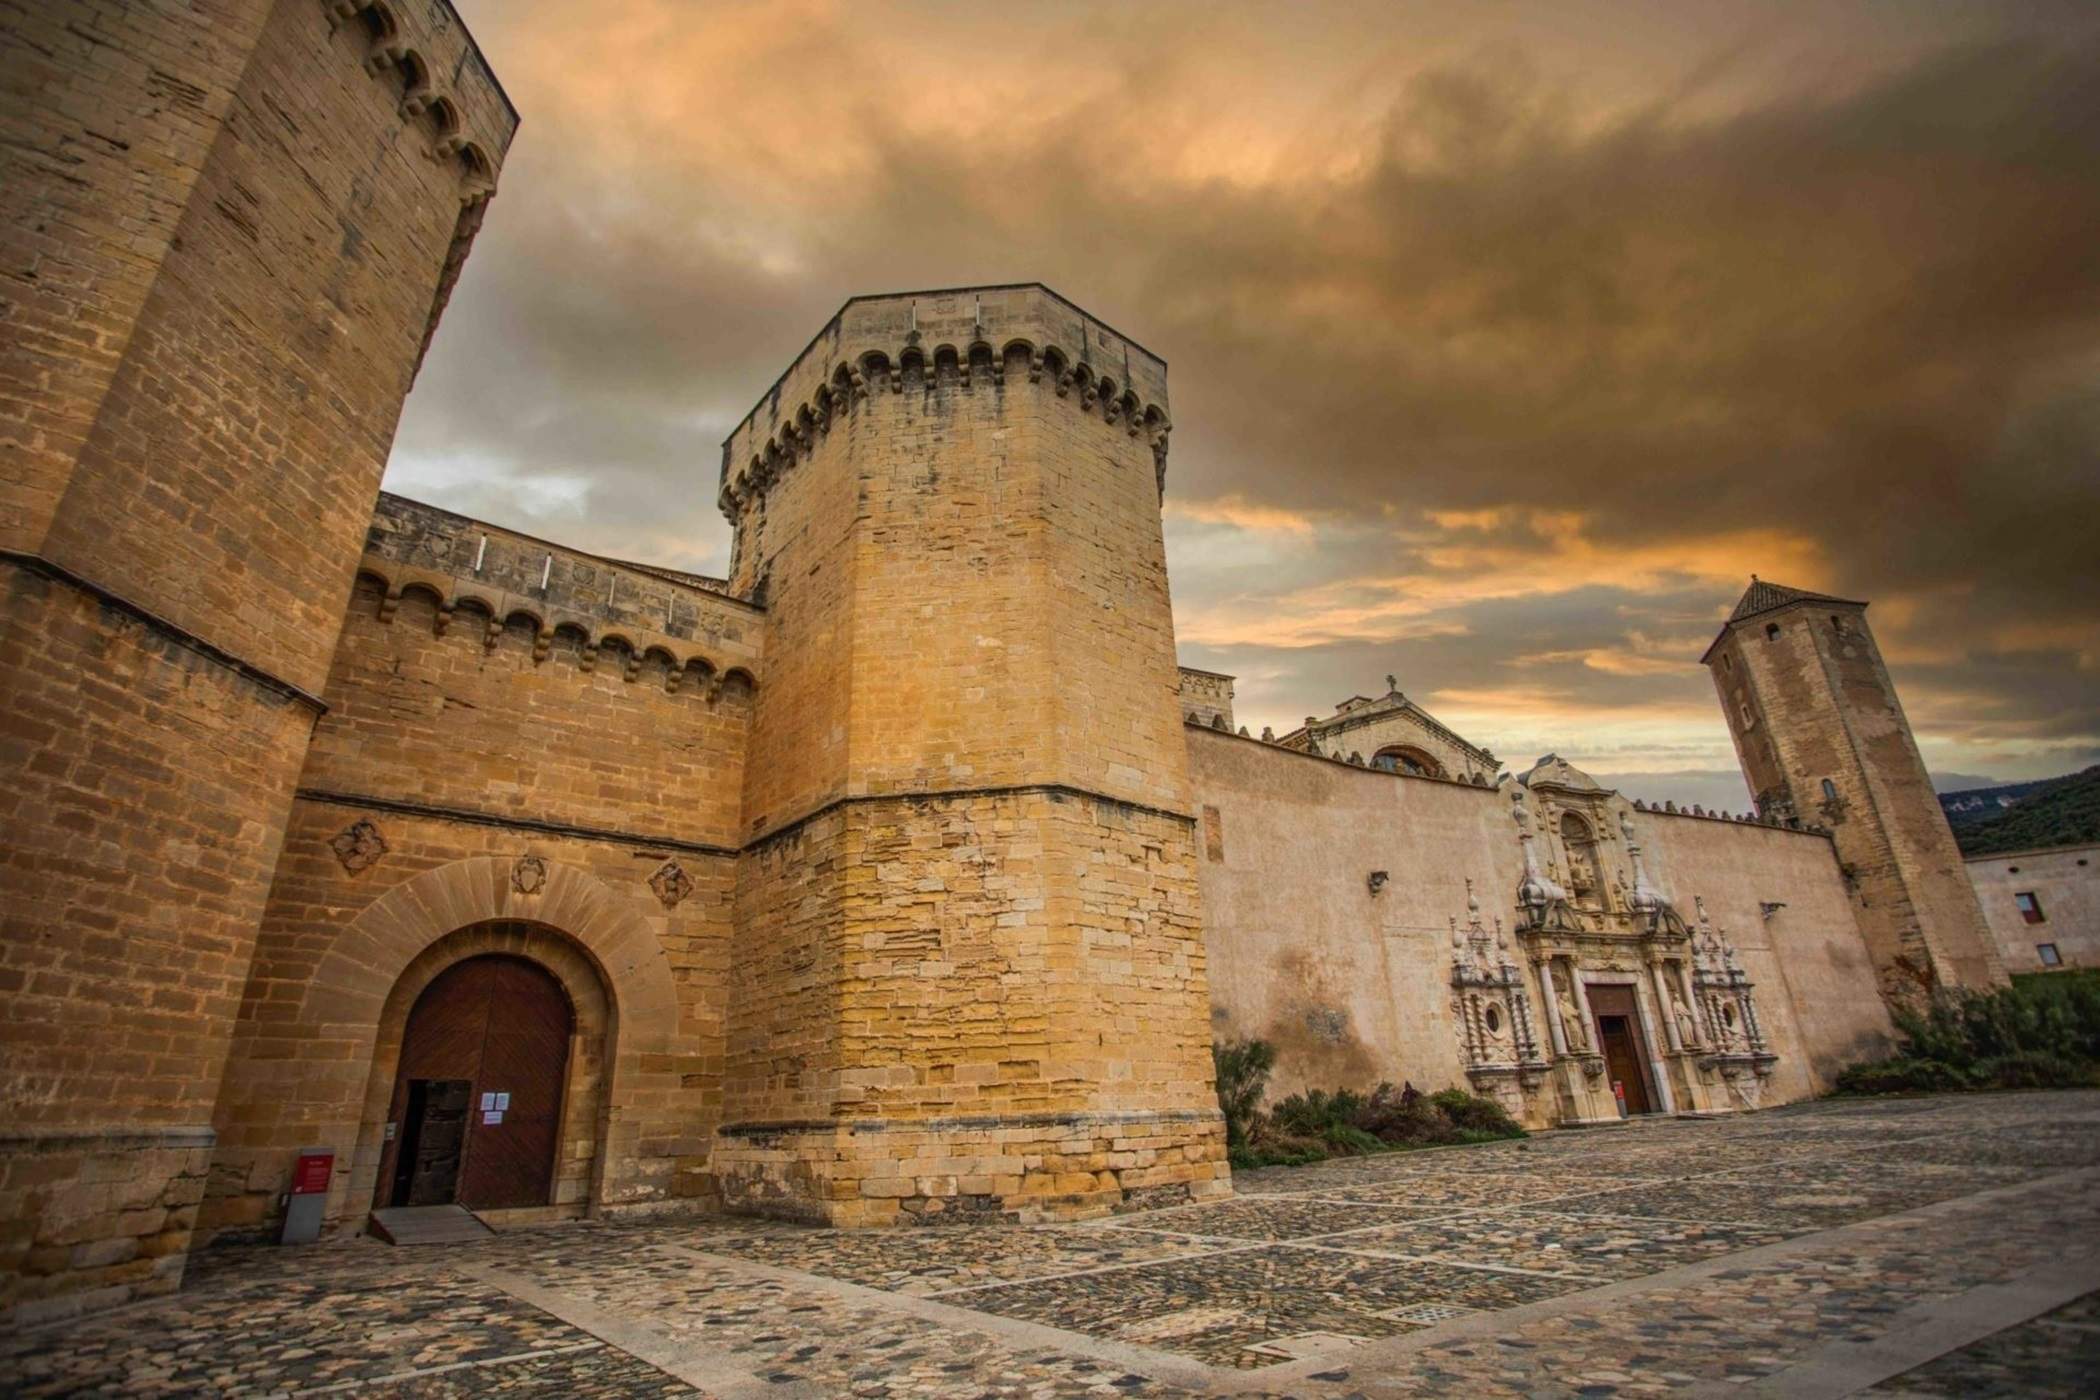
x,y
447,96
447,92
632,618
998,340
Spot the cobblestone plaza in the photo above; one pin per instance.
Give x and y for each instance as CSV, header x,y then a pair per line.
x,y
1941,1247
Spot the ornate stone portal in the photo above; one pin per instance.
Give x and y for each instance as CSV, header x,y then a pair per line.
x,y
1590,917
1493,1010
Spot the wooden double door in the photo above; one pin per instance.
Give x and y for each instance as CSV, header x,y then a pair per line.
x,y
476,1112
1619,1037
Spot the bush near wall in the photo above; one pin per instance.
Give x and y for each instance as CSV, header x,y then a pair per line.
x,y
2042,1032
1318,1124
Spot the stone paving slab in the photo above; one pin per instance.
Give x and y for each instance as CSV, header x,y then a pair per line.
x,y
352,1321
1272,1218
1482,1190
2056,1354
1816,1249
1548,1241
936,1259
1219,1306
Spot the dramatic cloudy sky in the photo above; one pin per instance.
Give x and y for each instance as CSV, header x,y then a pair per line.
x,y
1506,340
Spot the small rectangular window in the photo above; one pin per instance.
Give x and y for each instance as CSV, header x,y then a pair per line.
x,y
1749,715
2048,954
2030,907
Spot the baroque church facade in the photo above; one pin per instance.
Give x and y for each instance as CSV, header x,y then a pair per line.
x,y
901,875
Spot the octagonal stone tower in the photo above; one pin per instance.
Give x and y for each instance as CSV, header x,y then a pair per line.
x,y
969,972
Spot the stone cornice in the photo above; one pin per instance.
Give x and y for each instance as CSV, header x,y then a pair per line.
x,y
181,636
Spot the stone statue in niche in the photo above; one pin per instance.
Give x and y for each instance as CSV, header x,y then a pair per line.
x,y
1687,1028
1571,1025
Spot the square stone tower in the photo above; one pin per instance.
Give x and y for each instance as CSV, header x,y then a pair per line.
x,y
968,971
1822,738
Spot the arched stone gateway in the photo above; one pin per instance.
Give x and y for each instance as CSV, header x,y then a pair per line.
x,y
497,1095
327,1068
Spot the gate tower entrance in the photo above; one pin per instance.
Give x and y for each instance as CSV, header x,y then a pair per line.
x,y
475,1118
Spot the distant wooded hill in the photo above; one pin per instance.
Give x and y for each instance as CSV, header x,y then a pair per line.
x,y
2021,816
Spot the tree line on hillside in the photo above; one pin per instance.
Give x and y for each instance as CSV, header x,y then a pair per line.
x,y
2063,812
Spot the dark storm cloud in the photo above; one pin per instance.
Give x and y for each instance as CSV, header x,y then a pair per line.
x,y
1493,368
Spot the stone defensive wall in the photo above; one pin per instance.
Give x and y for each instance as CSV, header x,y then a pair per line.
x,y
1349,976
528,751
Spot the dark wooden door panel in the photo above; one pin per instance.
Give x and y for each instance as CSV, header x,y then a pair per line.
x,y
1622,1060
486,1026
440,1136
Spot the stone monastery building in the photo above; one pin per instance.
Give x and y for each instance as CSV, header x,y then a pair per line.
x,y
899,875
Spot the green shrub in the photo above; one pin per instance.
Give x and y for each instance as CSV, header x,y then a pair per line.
x,y
1242,1068
1902,1075
1321,1123
1471,1113
2036,1069
2040,1032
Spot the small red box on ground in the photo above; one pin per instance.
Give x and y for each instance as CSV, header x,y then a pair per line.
x,y
310,1177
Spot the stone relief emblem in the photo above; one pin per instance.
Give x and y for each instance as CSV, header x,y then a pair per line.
x,y
358,846
529,875
671,883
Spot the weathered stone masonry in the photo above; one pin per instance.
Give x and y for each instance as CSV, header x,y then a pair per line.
x,y
968,965
867,881
226,235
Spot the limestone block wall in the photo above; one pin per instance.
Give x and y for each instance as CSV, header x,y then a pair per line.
x,y
343,953
499,574
517,724
283,324
133,873
1816,984
110,113
235,224
449,755
2065,880
987,1003
965,781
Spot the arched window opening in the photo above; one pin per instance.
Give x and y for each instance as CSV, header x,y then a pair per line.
x,y
1830,791
1405,758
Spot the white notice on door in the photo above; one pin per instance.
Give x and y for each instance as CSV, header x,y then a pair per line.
x,y
503,1100
488,1101
492,1116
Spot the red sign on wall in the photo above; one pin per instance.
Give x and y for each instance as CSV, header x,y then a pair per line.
x,y
310,1177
